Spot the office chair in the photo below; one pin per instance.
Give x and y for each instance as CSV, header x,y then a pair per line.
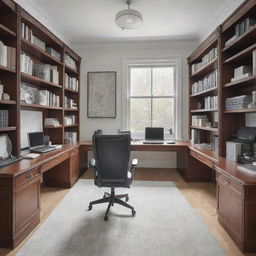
x,y
111,168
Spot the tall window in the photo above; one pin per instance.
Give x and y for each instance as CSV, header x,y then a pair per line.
x,y
152,98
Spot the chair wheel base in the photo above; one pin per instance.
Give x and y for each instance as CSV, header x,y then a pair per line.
x,y
133,213
127,199
89,207
106,218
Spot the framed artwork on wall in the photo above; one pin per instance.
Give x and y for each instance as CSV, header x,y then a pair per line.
x,y
101,94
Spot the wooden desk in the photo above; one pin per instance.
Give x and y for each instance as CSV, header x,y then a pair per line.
x,y
20,190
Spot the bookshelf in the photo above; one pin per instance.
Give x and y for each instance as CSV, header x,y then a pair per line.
x,y
18,29
203,67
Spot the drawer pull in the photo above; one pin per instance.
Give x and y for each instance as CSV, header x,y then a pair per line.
x,y
29,176
225,183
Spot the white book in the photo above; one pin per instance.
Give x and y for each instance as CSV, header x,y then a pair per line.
x,y
254,62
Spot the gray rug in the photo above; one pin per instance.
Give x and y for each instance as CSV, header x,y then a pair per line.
x,y
165,225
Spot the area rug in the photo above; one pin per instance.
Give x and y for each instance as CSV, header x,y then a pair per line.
x,y
164,225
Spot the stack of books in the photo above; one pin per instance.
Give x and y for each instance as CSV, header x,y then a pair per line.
x,y
7,56
69,120
195,136
71,82
48,98
53,53
211,55
47,72
238,102
4,118
70,137
26,64
70,103
51,122
201,121
242,72
208,82
211,102
70,62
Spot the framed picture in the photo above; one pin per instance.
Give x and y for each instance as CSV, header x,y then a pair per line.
x,y
101,94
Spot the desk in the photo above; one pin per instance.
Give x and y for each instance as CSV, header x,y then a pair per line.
x,y
20,190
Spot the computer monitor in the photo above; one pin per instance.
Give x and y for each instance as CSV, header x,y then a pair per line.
x,y
35,139
154,133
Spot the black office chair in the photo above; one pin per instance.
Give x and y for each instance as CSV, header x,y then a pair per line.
x,y
111,168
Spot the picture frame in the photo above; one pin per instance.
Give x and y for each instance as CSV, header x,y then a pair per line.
x,y
101,94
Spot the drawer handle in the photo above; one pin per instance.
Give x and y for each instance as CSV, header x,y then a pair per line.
x,y
29,176
225,183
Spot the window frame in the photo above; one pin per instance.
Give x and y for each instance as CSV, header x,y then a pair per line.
x,y
127,63
151,97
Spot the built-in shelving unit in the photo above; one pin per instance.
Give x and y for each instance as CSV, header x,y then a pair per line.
x,y
12,21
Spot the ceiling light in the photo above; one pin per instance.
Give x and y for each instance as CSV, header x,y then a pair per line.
x,y
128,18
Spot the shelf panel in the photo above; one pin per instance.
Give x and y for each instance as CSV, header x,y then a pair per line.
x,y
38,53
246,110
246,81
39,106
38,81
6,69
204,92
242,41
71,90
4,31
245,54
205,128
211,66
71,125
203,110
6,129
70,109
52,127
7,102
70,70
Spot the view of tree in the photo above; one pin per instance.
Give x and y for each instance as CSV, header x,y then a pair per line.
x,y
152,98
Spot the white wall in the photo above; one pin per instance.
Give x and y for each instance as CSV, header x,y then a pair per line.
x,y
108,57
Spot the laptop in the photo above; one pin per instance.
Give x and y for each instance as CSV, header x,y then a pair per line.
x,y
154,135
37,143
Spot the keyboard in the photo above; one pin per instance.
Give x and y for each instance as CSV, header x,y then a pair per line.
x,y
153,142
43,149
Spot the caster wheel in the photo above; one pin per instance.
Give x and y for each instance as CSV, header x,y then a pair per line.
x,y
90,207
127,199
133,213
106,218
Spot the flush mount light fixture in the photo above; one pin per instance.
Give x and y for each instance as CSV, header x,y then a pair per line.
x,y
128,18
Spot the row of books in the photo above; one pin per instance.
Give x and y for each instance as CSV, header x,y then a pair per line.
x,y
70,62
211,102
211,55
70,137
201,121
47,72
7,56
71,82
240,29
69,103
51,122
48,98
238,102
69,120
4,118
208,82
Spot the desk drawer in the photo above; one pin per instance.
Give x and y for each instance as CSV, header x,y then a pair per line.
x,y
27,176
59,159
201,159
229,184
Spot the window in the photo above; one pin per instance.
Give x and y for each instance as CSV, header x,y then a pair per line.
x,y
152,98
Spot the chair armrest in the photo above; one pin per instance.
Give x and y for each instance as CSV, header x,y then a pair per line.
x,y
92,163
134,162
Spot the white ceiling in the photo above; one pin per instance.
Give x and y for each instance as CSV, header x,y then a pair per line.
x,y
84,21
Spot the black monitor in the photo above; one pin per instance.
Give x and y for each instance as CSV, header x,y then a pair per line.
x,y
154,133
36,139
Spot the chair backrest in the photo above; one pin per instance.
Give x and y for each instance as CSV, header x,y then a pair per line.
x,y
112,155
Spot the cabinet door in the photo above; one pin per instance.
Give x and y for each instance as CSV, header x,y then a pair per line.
x,y
230,210
74,166
27,200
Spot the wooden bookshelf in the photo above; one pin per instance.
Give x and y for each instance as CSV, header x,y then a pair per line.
x,y
211,66
203,110
205,92
249,81
10,34
205,128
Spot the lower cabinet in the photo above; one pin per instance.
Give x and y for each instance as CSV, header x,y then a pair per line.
x,y
74,166
26,204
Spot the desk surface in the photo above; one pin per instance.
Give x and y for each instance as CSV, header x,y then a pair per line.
x,y
28,164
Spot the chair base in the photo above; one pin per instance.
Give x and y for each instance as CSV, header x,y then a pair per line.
x,y
112,199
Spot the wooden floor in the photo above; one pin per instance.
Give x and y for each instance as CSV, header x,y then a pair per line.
x,y
201,196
